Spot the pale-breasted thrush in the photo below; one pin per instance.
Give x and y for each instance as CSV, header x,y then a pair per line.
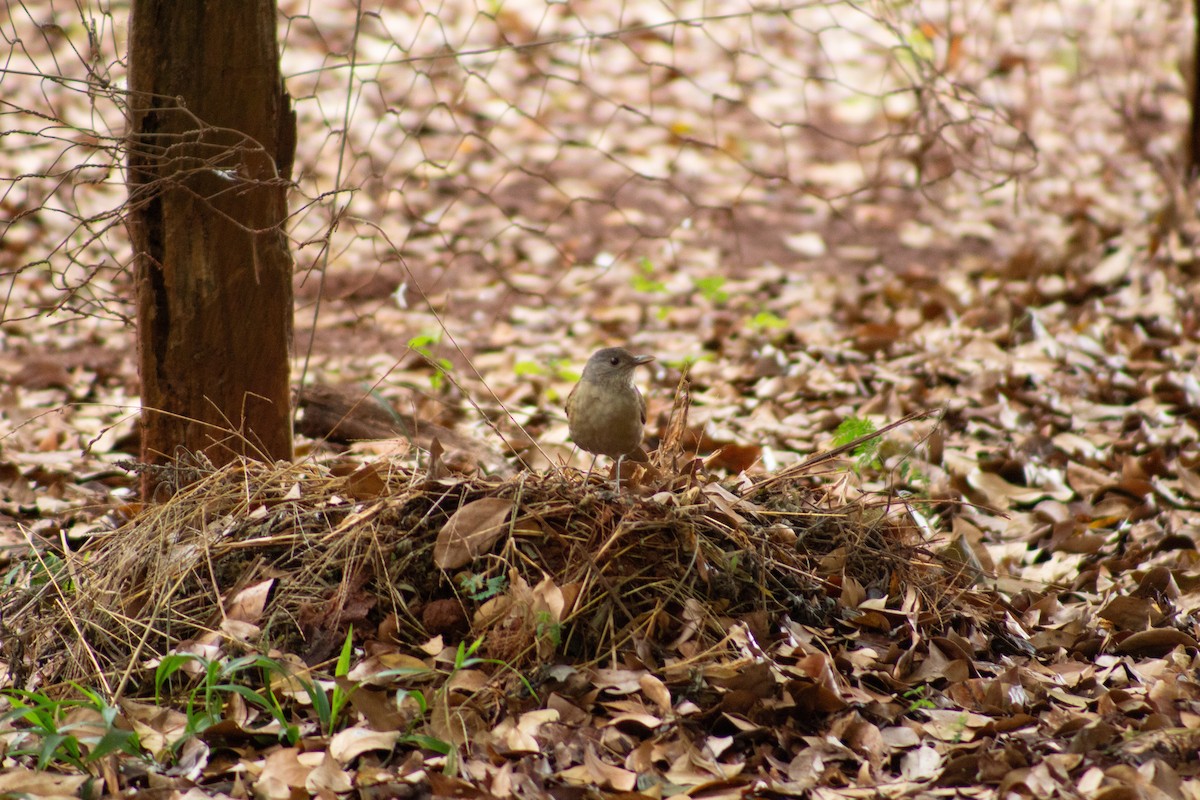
x,y
606,413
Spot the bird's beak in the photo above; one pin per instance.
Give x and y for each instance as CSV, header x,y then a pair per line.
x,y
639,360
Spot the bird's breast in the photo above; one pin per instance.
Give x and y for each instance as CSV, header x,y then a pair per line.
x,y
606,421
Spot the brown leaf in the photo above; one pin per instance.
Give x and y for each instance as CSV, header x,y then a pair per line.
x,y
470,531
873,336
1154,643
1085,480
1092,737
1156,583
920,764
42,373
436,470
937,666
861,736
368,483
1131,613
604,774
1001,494
249,603
735,458
446,786
656,691
378,707
444,616
281,773
961,770
754,678
20,781
328,778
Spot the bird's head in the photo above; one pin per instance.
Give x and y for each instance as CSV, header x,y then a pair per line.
x,y
613,362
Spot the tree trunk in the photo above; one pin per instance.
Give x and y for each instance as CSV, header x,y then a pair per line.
x,y
211,143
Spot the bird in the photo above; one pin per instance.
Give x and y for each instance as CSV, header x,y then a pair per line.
x,y
606,414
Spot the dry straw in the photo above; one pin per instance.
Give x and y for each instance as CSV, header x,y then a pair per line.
x,y
284,557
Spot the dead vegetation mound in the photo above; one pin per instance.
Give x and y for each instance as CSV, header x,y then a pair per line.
x,y
538,567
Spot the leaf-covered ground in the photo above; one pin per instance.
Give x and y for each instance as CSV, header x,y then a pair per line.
x,y
999,600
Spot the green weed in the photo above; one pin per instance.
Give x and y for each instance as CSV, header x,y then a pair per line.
x,y
865,454
78,742
766,321
479,587
917,699
711,288
644,280
424,344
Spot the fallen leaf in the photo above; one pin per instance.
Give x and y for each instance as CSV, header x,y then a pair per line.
x,y
349,743
471,531
1131,613
1153,643
921,764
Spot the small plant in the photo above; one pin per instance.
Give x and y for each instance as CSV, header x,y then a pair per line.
x,y
917,699
423,345
865,454
464,658
563,371
559,368
548,629
684,364
644,281
433,743
329,707
479,587
871,453
912,475
206,702
960,727
766,321
78,742
920,46
525,369
39,571
711,288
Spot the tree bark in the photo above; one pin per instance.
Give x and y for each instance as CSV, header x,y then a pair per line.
x,y
212,137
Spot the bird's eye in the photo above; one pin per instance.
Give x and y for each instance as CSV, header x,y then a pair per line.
x,y
614,361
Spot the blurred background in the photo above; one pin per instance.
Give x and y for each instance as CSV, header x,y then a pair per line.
x,y
812,203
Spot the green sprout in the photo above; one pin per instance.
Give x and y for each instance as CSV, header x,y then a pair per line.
x,y
712,288
63,739
424,344
548,629
480,587
523,369
865,454
765,321
644,280
917,699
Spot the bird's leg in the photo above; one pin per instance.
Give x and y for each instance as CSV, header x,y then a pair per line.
x,y
619,458
590,468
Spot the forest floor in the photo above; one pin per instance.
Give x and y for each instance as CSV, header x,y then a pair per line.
x,y
997,596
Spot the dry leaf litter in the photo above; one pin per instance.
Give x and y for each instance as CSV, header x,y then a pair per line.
x,y
1005,605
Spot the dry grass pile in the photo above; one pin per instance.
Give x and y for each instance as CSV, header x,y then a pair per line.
x,y
541,567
